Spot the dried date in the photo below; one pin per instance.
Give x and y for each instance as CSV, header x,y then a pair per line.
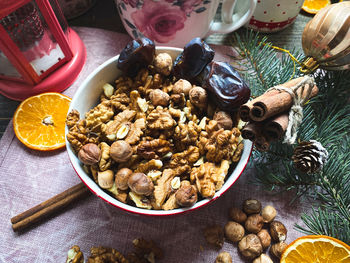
x,y
137,54
195,56
228,88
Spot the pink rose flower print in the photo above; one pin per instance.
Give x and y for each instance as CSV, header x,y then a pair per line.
x,y
189,5
132,3
159,21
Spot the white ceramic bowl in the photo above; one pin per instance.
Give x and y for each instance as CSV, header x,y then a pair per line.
x,y
87,96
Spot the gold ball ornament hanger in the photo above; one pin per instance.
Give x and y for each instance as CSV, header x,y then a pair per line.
x,y
326,39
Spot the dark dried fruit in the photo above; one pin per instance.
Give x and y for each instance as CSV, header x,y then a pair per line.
x,y
228,88
137,54
195,56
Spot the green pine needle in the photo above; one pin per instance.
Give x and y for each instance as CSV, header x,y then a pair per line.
x,y
326,119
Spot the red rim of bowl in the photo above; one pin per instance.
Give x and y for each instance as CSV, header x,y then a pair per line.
x,y
248,146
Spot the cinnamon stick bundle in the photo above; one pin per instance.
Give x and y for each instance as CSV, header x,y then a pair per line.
x,y
273,102
263,133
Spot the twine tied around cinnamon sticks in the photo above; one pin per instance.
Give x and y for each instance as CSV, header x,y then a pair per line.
x,y
277,113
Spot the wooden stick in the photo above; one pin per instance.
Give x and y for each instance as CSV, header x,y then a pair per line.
x,y
48,207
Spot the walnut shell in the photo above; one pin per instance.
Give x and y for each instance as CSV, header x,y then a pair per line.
x,y
234,231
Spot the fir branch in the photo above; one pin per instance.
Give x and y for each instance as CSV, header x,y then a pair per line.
x,y
326,119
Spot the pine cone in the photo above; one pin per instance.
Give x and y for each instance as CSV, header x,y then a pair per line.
x,y
309,157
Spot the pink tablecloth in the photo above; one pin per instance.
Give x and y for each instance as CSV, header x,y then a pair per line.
x,y
29,177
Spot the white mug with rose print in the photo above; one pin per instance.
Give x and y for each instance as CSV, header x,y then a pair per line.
x,y
274,15
176,22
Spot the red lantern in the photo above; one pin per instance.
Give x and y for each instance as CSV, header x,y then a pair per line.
x,y
38,51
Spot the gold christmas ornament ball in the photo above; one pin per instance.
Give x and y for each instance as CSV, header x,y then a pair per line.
x,y
326,38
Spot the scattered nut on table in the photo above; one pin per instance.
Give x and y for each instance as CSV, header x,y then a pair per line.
x,y
223,257
237,215
263,258
268,213
278,248
234,231
250,246
265,238
251,206
214,235
278,231
254,223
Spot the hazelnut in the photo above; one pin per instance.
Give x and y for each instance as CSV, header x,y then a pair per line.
x,y
198,97
278,231
120,151
214,235
251,206
263,258
268,213
265,238
122,177
159,98
105,179
223,257
89,154
278,248
250,246
182,86
254,223
238,215
234,231
140,184
163,63
186,195
224,120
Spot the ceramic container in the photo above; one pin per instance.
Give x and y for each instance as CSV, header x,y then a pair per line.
x,y
175,23
274,15
87,96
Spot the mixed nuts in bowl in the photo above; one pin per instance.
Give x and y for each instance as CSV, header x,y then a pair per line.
x,y
154,130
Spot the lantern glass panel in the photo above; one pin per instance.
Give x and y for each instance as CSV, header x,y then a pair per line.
x,y
29,31
7,69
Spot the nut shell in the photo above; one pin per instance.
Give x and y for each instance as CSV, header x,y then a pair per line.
x,y
254,223
122,177
140,184
159,98
263,258
105,179
237,215
234,231
278,231
223,257
182,86
265,238
120,151
89,154
268,213
198,97
251,206
186,196
224,120
250,246
278,248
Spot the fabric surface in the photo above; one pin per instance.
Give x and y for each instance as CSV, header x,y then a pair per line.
x,y
29,177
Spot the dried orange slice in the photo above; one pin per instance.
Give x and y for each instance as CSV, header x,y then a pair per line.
x,y
313,6
39,121
316,249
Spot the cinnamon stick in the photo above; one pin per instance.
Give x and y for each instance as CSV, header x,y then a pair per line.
x,y
48,207
275,127
251,131
274,102
261,143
